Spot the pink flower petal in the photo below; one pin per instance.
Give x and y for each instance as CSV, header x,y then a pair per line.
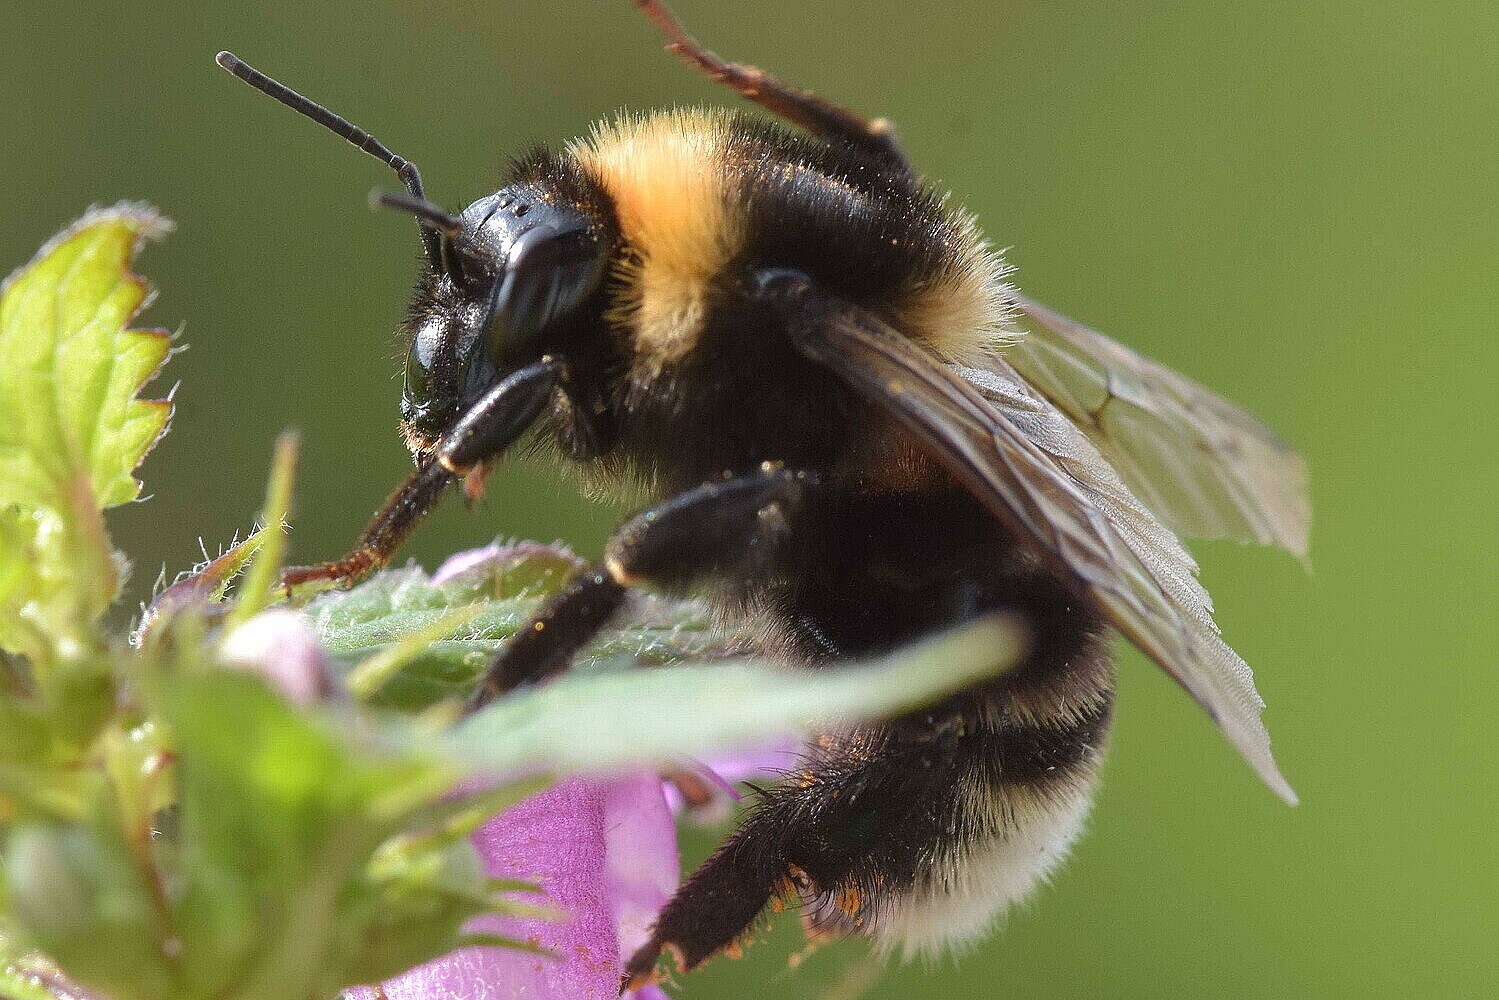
x,y
642,866
604,853
765,763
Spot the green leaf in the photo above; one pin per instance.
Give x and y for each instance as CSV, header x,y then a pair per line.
x,y
286,888
297,854
629,691
205,584
71,428
18,582
256,592
79,896
483,606
653,715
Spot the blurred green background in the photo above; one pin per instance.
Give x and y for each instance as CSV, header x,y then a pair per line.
x,y
1292,202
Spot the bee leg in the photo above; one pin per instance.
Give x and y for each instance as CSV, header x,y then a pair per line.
x,y
718,528
809,838
392,524
482,434
871,830
806,836
817,115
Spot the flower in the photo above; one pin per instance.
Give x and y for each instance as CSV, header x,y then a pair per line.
x,y
601,849
605,854
284,648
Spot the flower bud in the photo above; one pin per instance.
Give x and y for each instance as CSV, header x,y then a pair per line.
x,y
284,648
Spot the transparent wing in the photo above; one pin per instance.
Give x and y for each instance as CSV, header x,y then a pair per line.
x,y
1047,482
1206,467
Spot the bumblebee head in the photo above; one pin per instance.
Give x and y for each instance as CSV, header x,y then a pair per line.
x,y
512,275
502,279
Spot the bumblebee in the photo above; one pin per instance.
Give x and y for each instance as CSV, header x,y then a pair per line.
x,y
853,432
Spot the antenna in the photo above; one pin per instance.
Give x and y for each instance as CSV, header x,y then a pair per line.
x,y
343,128
428,214
432,220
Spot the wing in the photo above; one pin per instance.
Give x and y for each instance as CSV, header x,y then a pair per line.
x,y
1042,478
1206,467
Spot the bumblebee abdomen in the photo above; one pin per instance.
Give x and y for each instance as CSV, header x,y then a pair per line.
x,y
999,810
921,832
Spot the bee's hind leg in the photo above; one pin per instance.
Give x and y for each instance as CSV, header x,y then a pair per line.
x,y
917,832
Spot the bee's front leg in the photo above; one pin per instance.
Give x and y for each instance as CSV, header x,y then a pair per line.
x,y
480,435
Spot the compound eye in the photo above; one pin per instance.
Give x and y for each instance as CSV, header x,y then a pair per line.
x,y
419,380
550,270
425,390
